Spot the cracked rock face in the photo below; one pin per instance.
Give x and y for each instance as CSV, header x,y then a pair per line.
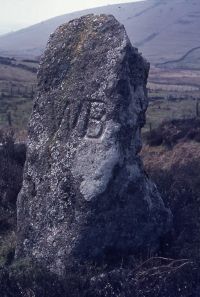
x,y
85,195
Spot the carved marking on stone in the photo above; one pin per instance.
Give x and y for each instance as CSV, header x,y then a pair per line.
x,y
86,118
96,125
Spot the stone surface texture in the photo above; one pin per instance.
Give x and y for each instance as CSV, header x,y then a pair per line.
x,y
85,194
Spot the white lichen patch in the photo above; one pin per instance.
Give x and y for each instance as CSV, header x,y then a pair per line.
x,y
95,161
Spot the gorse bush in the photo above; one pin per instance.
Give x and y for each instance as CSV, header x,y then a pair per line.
x,y
158,277
171,132
7,248
176,172
12,158
173,271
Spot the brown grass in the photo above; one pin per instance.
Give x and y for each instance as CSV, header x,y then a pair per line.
x,y
176,172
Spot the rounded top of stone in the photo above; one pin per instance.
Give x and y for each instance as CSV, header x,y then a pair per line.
x,y
74,45
92,22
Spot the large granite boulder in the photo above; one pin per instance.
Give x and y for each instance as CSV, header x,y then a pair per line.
x,y
85,195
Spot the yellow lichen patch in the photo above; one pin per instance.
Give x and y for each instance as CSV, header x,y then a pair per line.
x,y
84,35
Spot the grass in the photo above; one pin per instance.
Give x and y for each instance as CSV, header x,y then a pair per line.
x,y
17,88
175,77
175,171
18,107
9,73
163,109
7,248
160,108
172,94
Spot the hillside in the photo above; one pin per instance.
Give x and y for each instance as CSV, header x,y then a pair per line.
x,y
191,60
164,30
17,86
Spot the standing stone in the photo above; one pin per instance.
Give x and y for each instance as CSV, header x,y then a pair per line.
x,y
85,194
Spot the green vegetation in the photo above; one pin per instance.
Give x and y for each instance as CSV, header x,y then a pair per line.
x,y
12,158
15,111
172,159
7,248
17,89
173,93
165,109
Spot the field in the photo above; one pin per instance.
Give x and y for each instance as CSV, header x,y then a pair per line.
x,y
188,80
165,109
172,93
17,89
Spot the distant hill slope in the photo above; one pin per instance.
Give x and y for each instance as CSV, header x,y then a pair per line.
x,y
164,30
191,60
